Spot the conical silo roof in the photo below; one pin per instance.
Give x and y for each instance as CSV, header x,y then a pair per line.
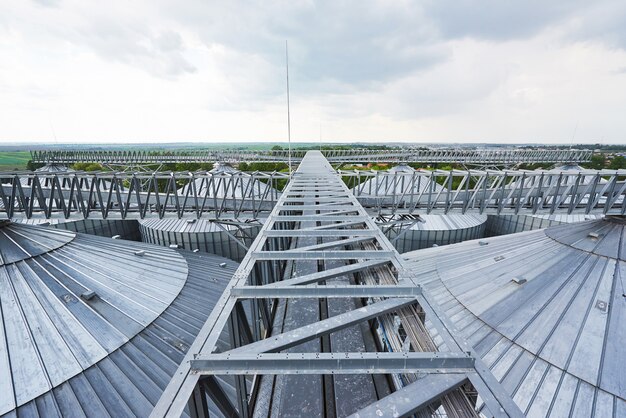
x,y
430,228
48,169
545,310
399,184
93,324
65,182
569,175
434,222
54,169
243,186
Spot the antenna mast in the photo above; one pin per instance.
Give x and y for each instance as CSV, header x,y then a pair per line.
x,y
288,114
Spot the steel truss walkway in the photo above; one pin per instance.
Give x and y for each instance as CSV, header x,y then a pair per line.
x,y
111,195
449,156
318,219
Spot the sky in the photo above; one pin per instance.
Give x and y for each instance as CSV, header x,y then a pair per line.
x,y
369,71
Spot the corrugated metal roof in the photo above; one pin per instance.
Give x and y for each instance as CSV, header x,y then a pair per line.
x,y
54,168
570,175
220,188
116,349
398,185
449,221
546,311
184,225
401,185
131,379
569,219
19,242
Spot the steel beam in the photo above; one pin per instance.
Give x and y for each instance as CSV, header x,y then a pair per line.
x,y
332,363
322,255
334,233
329,274
324,291
299,335
333,244
412,398
213,388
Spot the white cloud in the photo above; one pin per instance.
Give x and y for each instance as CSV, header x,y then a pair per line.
x,y
197,70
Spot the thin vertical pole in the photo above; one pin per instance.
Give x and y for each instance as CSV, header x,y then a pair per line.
x,y
288,114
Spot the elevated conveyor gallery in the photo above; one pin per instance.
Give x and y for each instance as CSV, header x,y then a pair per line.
x,y
331,309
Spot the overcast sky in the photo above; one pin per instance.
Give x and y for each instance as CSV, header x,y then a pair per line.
x,y
201,70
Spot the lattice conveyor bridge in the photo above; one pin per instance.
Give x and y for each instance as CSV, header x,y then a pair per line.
x,y
119,195
317,246
415,155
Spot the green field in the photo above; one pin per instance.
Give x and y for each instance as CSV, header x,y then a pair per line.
x,y
13,160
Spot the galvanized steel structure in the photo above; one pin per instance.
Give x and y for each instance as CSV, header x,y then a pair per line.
x,y
324,222
91,326
221,238
229,239
408,232
414,155
142,195
544,309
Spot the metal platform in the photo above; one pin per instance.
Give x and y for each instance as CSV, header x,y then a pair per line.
x,y
316,219
114,195
412,155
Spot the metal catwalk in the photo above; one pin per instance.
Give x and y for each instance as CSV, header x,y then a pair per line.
x,y
449,156
114,195
318,232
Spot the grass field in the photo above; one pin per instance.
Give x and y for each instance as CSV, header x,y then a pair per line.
x,y
13,160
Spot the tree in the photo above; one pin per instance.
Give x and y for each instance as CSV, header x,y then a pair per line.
x,y
597,162
618,162
277,148
30,165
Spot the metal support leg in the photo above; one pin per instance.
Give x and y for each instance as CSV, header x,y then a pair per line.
x,y
219,397
240,381
198,407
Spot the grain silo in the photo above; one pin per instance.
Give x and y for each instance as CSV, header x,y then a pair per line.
x,y
222,238
226,238
94,326
409,233
119,228
569,176
53,169
124,229
545,310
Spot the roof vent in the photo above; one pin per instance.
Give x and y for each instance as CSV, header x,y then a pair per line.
x,y
140,253
518,280
116,236
593,235
222,265
196,250
88,295
499,258
602,305
174,246
191,221
68,298
483,243
435,245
